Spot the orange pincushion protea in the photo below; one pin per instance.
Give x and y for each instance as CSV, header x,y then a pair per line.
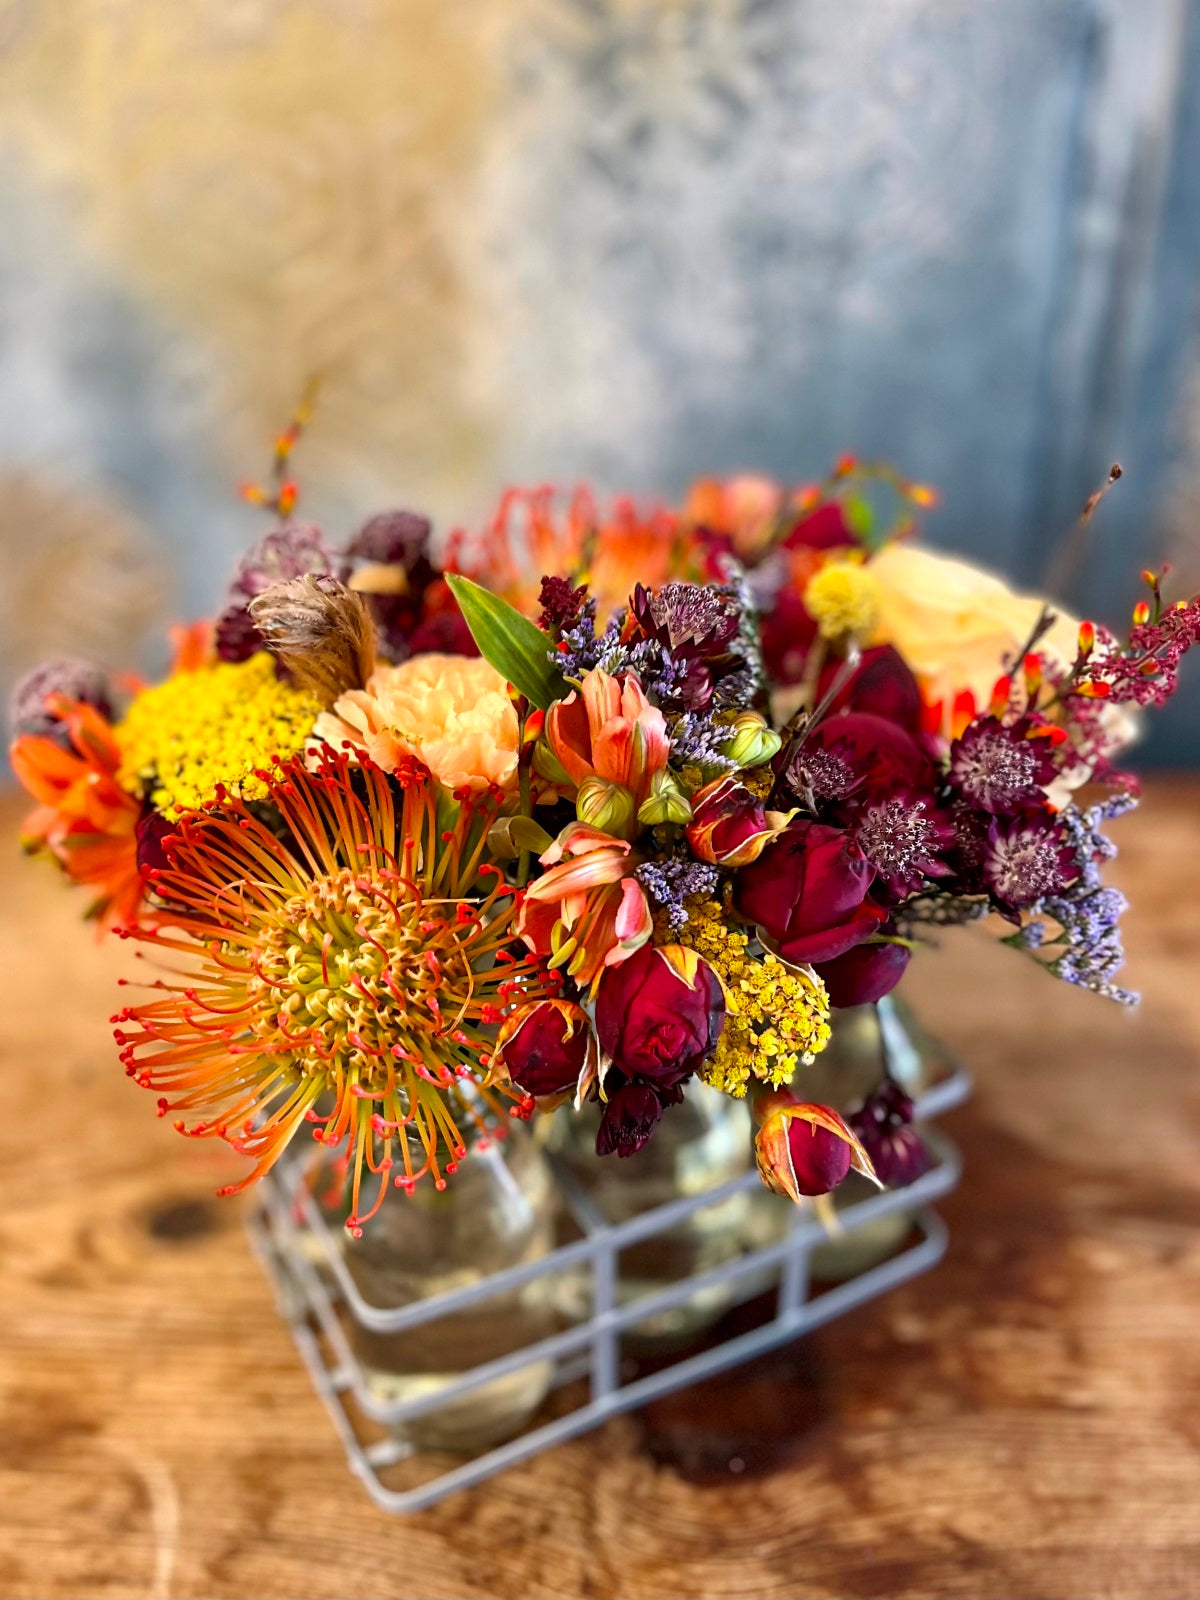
x,y
85,819
531,534
351,975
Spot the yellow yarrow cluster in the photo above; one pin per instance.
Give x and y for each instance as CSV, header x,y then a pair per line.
x,y
843,600
213,726
775,1016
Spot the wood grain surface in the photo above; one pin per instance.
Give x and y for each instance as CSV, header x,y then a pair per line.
x,y
1023,1422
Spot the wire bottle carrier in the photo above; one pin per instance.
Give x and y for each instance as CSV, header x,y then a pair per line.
x,y
590,1381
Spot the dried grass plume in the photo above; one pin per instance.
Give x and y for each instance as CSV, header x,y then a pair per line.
x,y
320,632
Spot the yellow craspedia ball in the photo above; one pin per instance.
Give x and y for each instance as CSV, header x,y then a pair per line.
x,y
843,600
215,726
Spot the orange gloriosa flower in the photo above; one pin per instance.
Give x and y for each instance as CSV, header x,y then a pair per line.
x,y
85,820
350,976
607,729
587,911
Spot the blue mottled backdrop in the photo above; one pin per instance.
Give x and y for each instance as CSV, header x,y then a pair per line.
x,y
633,240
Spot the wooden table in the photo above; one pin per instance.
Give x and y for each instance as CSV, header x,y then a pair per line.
x,y
1023,1422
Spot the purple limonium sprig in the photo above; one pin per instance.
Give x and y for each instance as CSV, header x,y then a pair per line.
x,y
672,882
1076,934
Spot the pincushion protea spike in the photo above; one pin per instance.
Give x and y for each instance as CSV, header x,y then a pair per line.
x,y
350,974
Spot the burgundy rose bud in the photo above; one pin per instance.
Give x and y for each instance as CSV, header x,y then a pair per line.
x,y
660,1013
150,832
788,633
808,893
631,1114
729,826
545,1046
864,974
884,1127
881,684
805,1149
825,528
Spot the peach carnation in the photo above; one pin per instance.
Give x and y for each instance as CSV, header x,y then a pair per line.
x,y
451,712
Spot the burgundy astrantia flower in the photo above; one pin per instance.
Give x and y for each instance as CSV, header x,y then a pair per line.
x,y
631,1113
808,892
884,1127
287,552
905,837
660,1013
882,755
1002,769
696,624
864,974
693,620
814,774
1026,858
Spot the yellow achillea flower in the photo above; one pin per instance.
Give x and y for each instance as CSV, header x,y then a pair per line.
x,y
843,600
216,726
776,1017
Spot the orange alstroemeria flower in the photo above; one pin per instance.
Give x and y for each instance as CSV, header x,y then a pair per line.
x,y
608,729
588,911
85,820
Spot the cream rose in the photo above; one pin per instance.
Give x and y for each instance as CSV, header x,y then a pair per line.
x,y
451,712
957,626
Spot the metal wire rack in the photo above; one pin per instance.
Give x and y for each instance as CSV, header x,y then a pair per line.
x,y
316,1294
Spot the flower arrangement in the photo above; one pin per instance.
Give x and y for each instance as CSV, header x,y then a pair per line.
x,y
409,853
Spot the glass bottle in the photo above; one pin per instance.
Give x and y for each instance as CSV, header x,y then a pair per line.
x,y
497,1211
696,1146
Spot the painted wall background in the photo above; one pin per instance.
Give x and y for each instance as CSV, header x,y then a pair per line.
x,y
632,240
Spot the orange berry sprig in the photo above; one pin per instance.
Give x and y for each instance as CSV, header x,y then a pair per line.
x,y
280,496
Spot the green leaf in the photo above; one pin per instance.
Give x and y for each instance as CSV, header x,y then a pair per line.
x,y
515,646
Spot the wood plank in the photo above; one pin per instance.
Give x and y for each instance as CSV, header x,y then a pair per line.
x,y
1025,1420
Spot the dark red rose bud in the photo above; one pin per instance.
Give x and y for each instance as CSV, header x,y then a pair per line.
x,y
884,1128
825,528
788,633
730,825
820,1159
150,830
864,974
660,1013
631,1114
881,684
808,893
545,1045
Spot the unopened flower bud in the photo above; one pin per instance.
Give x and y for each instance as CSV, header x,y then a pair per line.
x,y
666,802
752,742
544,1048
547,765
730,826
607,806
805,1149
